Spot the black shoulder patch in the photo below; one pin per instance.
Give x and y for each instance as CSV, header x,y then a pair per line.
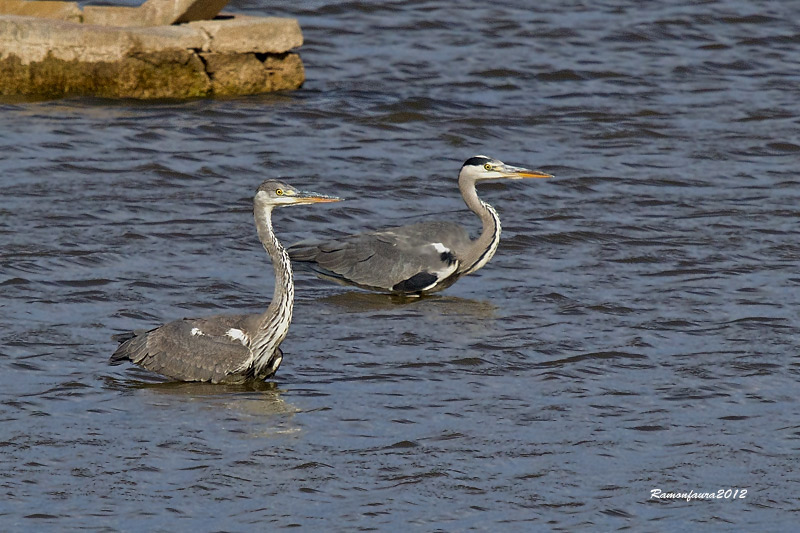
x,y
448,257
416,283
477,161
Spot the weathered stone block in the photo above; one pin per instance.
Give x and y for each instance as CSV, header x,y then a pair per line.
x,y
242,33
153,13
114,16
146,75
166,37
42,9
238,74
188,10
234,56
32,40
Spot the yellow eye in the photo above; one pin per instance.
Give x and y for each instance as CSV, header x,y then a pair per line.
x,y
488,166
279,192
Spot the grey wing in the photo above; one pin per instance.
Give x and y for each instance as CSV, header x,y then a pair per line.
x,y
402,259
188,349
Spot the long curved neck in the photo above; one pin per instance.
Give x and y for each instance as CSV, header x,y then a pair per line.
x,y
273,324
483,248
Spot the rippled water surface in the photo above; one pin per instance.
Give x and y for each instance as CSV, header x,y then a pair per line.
x,y
637,329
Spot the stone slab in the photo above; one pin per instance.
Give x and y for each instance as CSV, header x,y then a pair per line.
x,y
153,13
235,74
42,9
242,34
47,57
114,16
31,39
188,10
172,74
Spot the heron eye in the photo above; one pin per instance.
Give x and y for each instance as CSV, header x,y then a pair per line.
x,y
279,192
488,166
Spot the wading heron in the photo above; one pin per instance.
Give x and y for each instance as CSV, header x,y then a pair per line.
x,y
419,258
228,348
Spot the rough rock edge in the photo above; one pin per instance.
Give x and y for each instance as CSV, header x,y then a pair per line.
x,y
143,72
153,75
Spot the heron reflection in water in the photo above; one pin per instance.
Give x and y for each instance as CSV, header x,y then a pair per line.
x,y
228,348
420,258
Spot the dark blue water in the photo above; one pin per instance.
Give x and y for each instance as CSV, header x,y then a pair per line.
x,y
637,329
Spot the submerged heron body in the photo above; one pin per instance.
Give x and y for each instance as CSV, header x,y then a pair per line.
x,y
419,258
228,348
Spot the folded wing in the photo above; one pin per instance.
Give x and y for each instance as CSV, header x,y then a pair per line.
x,y
406,259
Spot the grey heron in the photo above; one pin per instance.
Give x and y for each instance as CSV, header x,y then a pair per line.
x,y
228,348
419,258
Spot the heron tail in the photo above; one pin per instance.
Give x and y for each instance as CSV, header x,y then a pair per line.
x,y
130,346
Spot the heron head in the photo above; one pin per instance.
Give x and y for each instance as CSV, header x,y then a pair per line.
x,y
277,193
482,168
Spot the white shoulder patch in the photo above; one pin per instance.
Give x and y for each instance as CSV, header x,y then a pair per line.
x,y
196,332
449,264
238,335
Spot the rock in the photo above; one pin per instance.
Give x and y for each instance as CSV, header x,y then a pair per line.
x,y
42,9
166,74
243,34
235,74
153,13
115,16
56,55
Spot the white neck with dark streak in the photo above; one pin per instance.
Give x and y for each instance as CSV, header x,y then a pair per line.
x,y
484,247
273,324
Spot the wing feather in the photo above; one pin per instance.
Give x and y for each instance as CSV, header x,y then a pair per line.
x,y
189,349
386,260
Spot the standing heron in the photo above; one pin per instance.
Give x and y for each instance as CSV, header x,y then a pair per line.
x,y
419,258
228,348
